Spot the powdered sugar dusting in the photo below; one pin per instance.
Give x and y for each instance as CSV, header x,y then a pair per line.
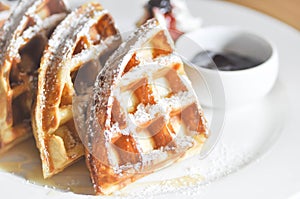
x,y
140,65
63,42
74,43
163,107
196,176
156,156
110,75
11,29
147,68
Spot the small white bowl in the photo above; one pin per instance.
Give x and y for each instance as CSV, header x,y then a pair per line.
x,y
238,87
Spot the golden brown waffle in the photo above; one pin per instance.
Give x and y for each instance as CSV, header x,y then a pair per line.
x,y
22,41
144,113
84,35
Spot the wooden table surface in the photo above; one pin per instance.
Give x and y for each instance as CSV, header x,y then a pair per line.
x,y
287,11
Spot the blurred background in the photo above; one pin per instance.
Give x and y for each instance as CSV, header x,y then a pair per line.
x,y
287,11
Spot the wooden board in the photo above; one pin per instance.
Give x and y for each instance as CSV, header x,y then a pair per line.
x,y
287,11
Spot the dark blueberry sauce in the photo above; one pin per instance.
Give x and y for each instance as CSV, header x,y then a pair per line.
x,y
164,5
225,61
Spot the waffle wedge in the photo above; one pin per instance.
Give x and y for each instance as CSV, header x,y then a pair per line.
x,y
83,36
144,114
23,37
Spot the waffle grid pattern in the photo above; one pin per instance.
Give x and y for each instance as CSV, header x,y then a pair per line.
x,y
24,32
122,145
73,44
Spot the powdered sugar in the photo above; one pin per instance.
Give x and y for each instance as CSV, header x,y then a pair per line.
x,y
162,107
12,29
196,174
155,156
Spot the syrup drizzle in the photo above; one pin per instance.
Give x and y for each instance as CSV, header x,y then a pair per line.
x,y
23,160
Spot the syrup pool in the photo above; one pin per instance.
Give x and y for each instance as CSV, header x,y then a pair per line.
x,y
23,160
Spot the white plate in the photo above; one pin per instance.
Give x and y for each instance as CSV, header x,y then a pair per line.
x,y
248,133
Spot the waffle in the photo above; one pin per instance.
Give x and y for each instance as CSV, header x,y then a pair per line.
x,y
144,114
24,32
83,36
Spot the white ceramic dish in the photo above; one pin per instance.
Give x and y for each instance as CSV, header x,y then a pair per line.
x,y
242,86
248,132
